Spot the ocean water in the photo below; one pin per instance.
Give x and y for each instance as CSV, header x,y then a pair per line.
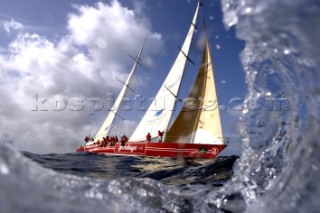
x,y
87,182
278,170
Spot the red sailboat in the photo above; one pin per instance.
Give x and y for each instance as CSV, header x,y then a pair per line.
x,y
196,131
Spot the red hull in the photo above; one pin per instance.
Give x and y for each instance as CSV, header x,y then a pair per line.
x,y
153,149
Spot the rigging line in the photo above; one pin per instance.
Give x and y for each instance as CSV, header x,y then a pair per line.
x,y
205,65
125,84
195,26
185,55
199,120
203,22
138,60
117,114
173,94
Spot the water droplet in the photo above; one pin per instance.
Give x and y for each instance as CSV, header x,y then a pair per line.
x,y
94,193
211,18
248,10
314,167
268,94
218,46
286,51
3,167
142,192
222,108
225,201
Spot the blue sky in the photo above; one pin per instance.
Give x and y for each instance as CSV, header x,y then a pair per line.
x,y
65,49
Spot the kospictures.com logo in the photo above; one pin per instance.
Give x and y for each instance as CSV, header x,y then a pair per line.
x,y
138,103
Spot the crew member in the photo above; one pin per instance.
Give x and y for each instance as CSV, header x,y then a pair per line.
x,y
124,139
148,137
86,139
107,140
160,135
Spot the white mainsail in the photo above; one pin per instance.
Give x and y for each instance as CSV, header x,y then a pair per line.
x,y
199,120
160,111
105,127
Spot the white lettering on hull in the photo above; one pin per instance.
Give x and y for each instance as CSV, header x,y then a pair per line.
x,y
215,150
128,148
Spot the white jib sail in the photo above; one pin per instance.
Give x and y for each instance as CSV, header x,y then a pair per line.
x,y
160,111
105,127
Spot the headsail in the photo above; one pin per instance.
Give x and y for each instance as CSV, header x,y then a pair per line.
x,y
105,127
199,119
160,111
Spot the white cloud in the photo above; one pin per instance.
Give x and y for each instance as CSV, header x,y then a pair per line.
x,y
81,64
12,25
113,28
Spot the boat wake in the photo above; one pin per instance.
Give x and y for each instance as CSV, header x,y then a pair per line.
x,y
275,173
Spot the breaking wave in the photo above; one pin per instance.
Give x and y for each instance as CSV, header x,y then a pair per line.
x,y
279,164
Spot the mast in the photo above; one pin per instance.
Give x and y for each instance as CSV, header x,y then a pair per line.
x,y
199,120
105,127
160,111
